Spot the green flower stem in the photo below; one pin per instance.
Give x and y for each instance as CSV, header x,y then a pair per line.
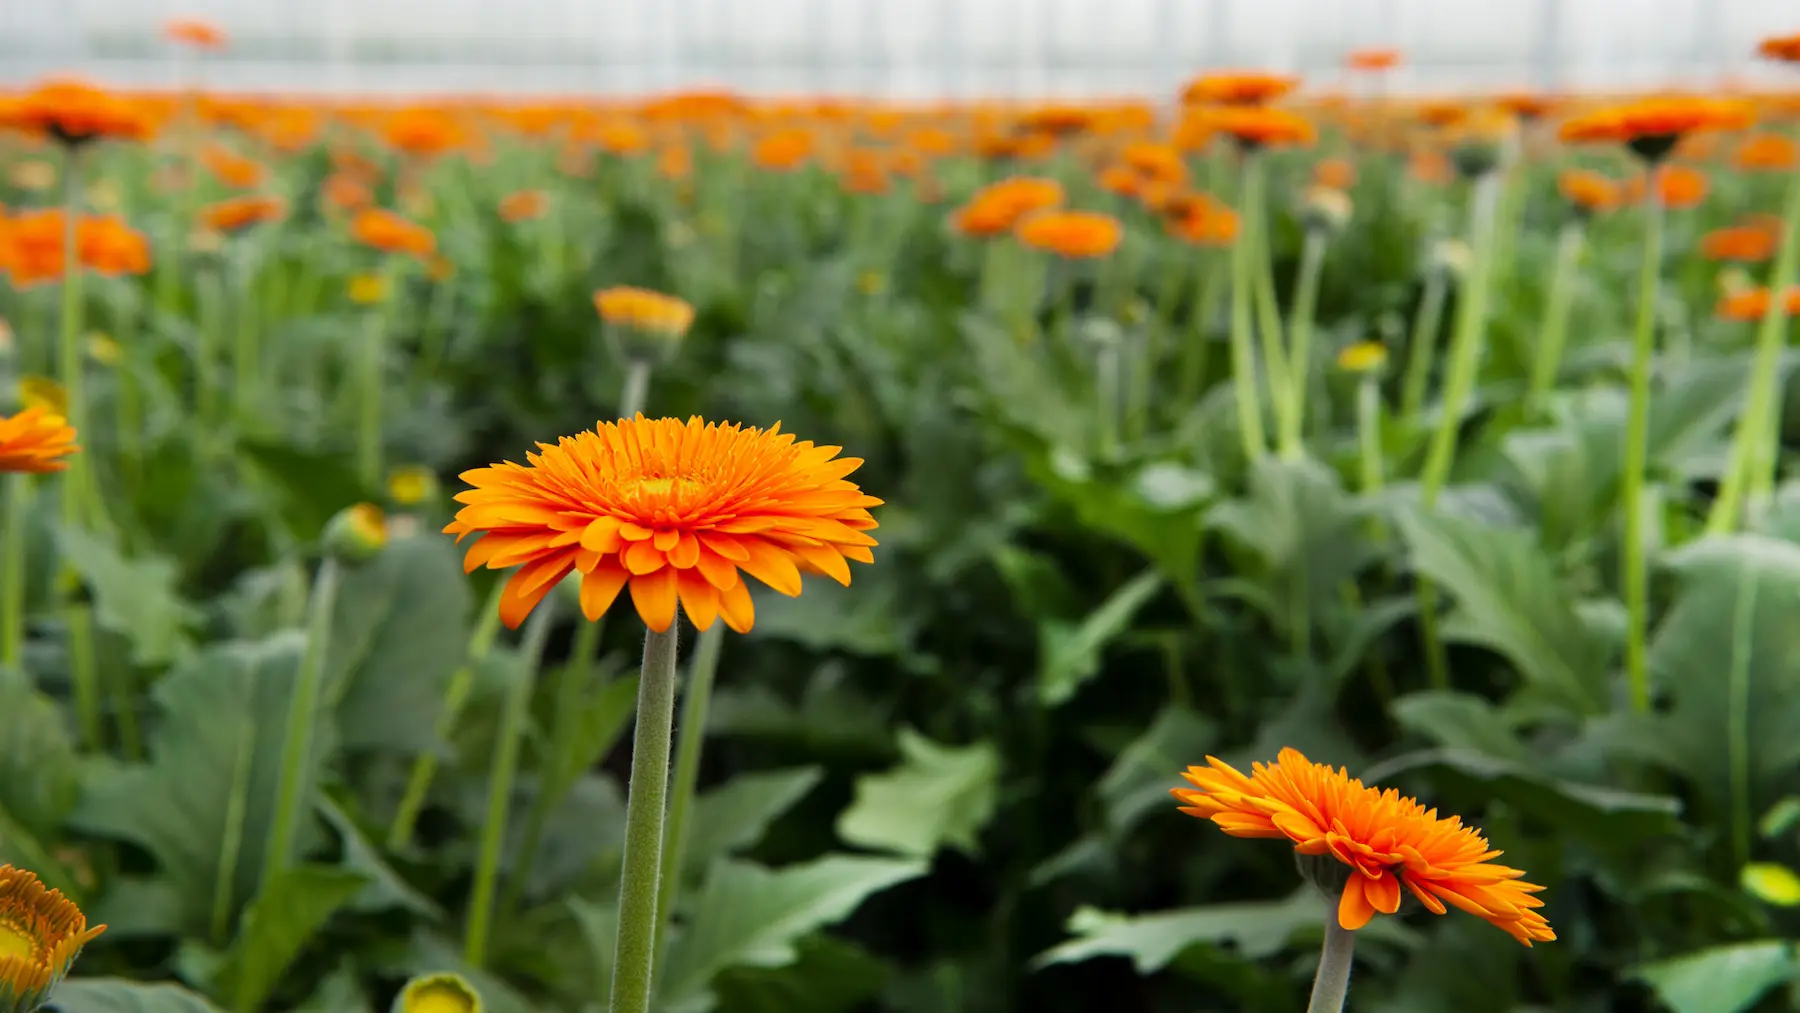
x,y
1243,356
84,677
636,388
425,765
1547,362
373,362
1332,983
1107,383
1194,357
68,347
1268,310
1368,434
1421,348
245,351
1634,570
12,572
210,293
687,772
515,713
1752,464
1466,345
296,749
1300,327
128,403
634,957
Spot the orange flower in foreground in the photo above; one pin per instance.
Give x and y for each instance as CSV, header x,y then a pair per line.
x,y
196,33
1238,88
41,934
523,204
242,212
1753,303
391,233
644,310
1388,841
1750,244
74,112
231,168
36,440
1077,235
676,510
1256,127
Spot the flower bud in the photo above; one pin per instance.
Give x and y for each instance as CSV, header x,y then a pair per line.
x,y
438,993
1326,209
357,534
1449,257
410,485
1363,357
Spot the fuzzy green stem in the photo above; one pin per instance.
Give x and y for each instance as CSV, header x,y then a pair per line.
x,y
1421,349
1547,361
515,714
296,749
1107,355
1300,328
1752,464
12,572
634,957
1634,569
456,694
210,291
687,771
1332,983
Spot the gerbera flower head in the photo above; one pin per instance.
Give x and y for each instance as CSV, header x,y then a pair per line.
x,y
1588,191
643,325
75,112
675,510
1073,235
1785,48
1238,88
392,233
523,204
195,32
41,934
1258,127
1388,845
237,213
1652,127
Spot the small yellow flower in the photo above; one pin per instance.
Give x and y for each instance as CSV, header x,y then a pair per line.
x,y
41,934
103,349
35,176
1771,883
357,533
411,484
43,392
1363,357
872,283
438,993
368,289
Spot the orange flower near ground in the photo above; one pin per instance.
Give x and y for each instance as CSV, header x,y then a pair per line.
x,y
644,309
75,112
36,440
31,246
783,150
997,207
1199,220
1588,190
1077,235
1238,88
1785,48
392,233
1677,186
195,32
1257,127
1372,59
523,204
242,212
1389,843
231,168
1336,173
678,511
44,933
1767,153
1753,303
424,132
343,190
1749,244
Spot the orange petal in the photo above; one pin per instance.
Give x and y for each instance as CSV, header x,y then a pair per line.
x,y
717,570
642,557
600,587
527,587
1354,909
686,552
601,535
736,608
1383,892
772,566
824,559
654,596
699,599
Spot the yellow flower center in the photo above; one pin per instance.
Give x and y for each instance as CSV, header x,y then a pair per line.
x,y
438,999
16,943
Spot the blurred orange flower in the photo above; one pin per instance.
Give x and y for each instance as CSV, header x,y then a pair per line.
x,y
1076,235
1767,152
1587,190
997,207
242,212
522,204
1372,59
31,246
195,32
35,441
391,233
75,112
1748,244
231,168
1238,88
1753,304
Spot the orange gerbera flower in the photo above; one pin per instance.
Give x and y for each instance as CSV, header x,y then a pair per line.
x,y
523,204
1198,219
1677,186
644,309
783,150
1336,173
75,112
1767,153
1651,127
1785,48
36,440
1752,303
1077,235
392,233
194,32
242,212
676,510
344,190
1588,191
1372,59
231,168
1238,88
41,934
997,207
1388,841
424,132
31,246
1258,127
1750,244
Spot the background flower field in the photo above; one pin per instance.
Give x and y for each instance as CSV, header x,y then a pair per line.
x,y
944,786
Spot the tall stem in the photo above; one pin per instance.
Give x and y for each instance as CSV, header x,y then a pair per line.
x,y
634,957
514,715
687,771
1547,361
373,364
302,709
1268,312
1248,393
68,347
636,388
12,572
1300,327
1332,983
1421,349
1634,570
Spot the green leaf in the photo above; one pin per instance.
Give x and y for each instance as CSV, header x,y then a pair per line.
x,y
1256,930
829,976
1510,600
340,992
116,995
278,924
385,889
1723,979
599,925
736,814
1139,780
203,804
1456,720
1069,653
868,619
832,717
398,634
39,774
599,721
310,488
134,597
749,916
938,796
